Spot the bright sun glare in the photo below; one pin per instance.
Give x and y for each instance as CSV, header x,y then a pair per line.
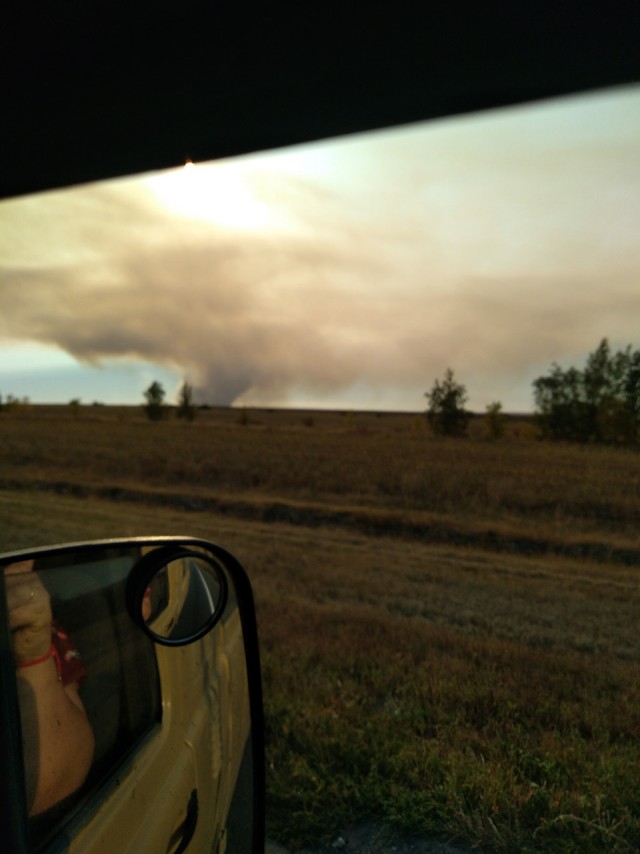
x,y
220,193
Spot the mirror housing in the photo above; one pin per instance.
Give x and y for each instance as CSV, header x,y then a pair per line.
x,y
181,593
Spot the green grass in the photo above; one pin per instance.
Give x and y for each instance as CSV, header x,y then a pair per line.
x,y
487,696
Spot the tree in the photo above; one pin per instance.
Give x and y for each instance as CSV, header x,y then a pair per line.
x,y
446,413
601,403
186,407
561,409
155,406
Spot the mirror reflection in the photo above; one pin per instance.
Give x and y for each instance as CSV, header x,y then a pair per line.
x,y
50,674
183,598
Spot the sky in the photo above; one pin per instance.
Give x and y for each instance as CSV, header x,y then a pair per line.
x,y
344,274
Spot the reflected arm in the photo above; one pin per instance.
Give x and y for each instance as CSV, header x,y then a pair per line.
x,y
58,739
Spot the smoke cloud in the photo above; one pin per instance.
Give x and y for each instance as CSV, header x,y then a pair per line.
x,y
399,256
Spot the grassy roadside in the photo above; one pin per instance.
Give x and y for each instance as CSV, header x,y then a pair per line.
x,y
488,697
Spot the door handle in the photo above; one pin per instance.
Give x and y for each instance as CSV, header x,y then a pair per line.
x,y
183,834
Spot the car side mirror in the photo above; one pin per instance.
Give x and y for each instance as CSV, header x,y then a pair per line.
x,y
167,643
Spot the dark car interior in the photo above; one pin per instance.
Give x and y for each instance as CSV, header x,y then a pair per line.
x,y
97,90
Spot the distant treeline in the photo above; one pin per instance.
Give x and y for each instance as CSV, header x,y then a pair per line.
x,y
598,404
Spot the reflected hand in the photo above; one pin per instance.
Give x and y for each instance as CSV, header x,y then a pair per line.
x,y
29,612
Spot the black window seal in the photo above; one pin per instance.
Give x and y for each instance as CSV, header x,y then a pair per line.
x,y
13,806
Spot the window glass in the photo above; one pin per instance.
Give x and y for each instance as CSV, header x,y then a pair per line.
x,y
86,675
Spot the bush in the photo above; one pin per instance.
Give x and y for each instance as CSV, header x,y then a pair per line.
x,y
494,421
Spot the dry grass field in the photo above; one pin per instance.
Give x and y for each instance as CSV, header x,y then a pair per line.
x,y
449,628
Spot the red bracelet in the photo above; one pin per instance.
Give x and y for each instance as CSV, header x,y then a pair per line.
x,y
52,651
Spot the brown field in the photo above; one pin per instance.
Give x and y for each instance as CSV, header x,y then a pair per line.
x,y
448,629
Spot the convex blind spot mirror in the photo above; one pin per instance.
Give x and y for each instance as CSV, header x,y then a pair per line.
x,y
176,594
143,653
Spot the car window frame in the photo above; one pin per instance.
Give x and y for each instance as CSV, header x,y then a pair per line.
x,y
13,803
